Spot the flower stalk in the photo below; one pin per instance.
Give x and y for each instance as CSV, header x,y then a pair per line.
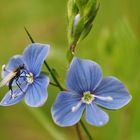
x,y
81,15
86,131
77,126
57,84
53,76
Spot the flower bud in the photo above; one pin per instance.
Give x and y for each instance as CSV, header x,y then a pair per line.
x,y
81,14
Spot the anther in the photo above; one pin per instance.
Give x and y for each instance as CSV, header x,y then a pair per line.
x,y
29,78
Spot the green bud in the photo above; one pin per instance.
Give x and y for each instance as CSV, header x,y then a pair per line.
x,y
72,8
76,20
72,12
70,29
74,25
81,14
81,4
78,30
85,32
90,11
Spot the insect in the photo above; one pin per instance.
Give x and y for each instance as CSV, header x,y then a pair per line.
x,y
13,75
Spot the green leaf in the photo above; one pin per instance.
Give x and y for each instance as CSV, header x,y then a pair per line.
x,y
90,11
81,5
85,32
29,35
45,73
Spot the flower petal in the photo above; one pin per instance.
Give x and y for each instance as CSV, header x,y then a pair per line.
x,y
8,100
13,63
36,94
83,75
62,109
112,87
34,56
95,116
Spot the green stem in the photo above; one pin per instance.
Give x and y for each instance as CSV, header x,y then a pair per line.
x,y
53,76
30,37
85,129
78,131
53,84
72,51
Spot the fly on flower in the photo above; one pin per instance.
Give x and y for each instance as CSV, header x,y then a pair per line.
x,y
88,90
13,75
22,75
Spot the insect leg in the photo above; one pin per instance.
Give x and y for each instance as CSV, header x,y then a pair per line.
x,y
23,72
10,86
18,84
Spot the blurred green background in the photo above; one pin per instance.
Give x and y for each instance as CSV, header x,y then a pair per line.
x,y
113,43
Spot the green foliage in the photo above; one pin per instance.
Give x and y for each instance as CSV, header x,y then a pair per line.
x,y
81,14
114,44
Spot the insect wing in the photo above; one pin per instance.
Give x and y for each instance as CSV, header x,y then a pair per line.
x,y
7,78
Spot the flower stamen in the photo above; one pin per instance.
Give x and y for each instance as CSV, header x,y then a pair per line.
x,y
105,98
88,97
29,78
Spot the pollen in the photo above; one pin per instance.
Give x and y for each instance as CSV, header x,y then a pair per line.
x,y
87,97
29,78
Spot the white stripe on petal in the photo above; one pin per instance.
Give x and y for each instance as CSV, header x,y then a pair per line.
x,y
76,107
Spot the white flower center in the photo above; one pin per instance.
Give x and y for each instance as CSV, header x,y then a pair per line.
x,y
88,97
29,78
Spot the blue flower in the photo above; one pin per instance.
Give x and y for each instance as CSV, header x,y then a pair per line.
x,y
87,89
22,75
